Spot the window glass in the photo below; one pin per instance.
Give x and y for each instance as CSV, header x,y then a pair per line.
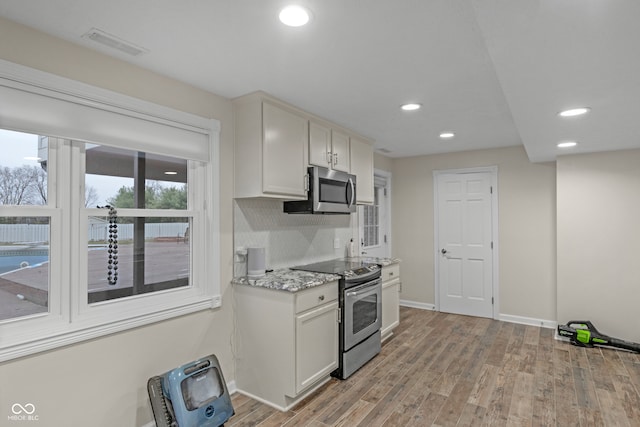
x,y
371,226
135,255
113,175
24,266
132,255
23,168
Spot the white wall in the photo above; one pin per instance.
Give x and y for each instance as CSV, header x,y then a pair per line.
x,y
599,241
103,382
382,162
527,240
288,239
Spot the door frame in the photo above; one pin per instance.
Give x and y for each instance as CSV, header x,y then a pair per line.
x,y
493,170
387,175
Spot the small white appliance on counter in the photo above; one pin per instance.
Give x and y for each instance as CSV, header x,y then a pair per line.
x,y
255,263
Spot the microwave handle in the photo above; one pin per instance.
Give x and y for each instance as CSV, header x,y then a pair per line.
x,y
353,192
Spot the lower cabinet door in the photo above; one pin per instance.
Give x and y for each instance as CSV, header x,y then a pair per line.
x,y
316,344
390,306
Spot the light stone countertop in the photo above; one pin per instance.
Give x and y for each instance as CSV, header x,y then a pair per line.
x,y
285,279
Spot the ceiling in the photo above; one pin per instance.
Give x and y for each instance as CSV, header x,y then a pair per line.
x,y
494,72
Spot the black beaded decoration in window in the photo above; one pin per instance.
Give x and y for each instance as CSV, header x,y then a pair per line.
x,y
112,263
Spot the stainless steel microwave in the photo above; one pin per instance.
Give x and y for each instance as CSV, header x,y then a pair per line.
x,y
330,192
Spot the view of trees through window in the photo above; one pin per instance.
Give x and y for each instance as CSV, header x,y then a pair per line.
x,y
156,197
153,252
23,185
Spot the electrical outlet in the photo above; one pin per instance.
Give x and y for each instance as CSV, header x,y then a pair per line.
x,y
241,254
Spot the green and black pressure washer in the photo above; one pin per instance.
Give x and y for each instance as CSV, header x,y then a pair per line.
x,y
582,333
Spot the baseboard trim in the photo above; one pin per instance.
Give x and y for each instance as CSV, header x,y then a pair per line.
x,y
550,324
291,401
416,304
261,400
532,321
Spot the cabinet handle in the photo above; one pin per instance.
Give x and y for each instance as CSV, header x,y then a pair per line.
x,y
335,159
329,157
306,182
391,273
321,297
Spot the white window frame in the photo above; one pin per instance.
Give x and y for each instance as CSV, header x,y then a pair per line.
x,y
70,318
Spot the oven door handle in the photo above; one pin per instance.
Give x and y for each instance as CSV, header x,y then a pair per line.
x,y
369,287
360,292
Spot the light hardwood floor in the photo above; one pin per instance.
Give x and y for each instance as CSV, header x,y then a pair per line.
x,y
447,370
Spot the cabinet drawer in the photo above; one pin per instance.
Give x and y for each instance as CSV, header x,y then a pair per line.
x,y
314,297
390,272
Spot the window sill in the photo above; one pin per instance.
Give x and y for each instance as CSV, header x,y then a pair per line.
x,y
84,334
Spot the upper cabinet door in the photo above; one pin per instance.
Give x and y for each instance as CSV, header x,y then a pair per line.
x,y
284,150
319,145
340,151
362,168
328,148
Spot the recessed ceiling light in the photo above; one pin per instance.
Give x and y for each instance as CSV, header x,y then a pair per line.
x,y
294,16
567,144
447,135
574,112
171,173
411,107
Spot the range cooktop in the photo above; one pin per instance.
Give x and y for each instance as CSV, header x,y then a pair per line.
x,y
344,267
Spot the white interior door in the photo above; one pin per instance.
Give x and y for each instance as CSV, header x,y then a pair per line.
x,y
464,226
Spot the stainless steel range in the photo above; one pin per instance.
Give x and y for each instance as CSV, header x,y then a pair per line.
x,y
360,299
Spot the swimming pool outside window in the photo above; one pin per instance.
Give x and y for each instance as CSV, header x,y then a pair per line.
x,y
24,238
24,266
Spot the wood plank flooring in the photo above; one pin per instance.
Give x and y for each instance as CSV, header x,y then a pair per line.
x,y
447,370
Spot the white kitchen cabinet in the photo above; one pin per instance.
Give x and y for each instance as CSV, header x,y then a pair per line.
x,y
287,342
316,345
328,147
340,150
271,146
362,168
275,142
319,144
390,299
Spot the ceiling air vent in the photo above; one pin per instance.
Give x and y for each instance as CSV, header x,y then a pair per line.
x,y
114,42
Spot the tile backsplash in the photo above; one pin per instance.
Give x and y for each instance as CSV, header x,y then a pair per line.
x,y
288,239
